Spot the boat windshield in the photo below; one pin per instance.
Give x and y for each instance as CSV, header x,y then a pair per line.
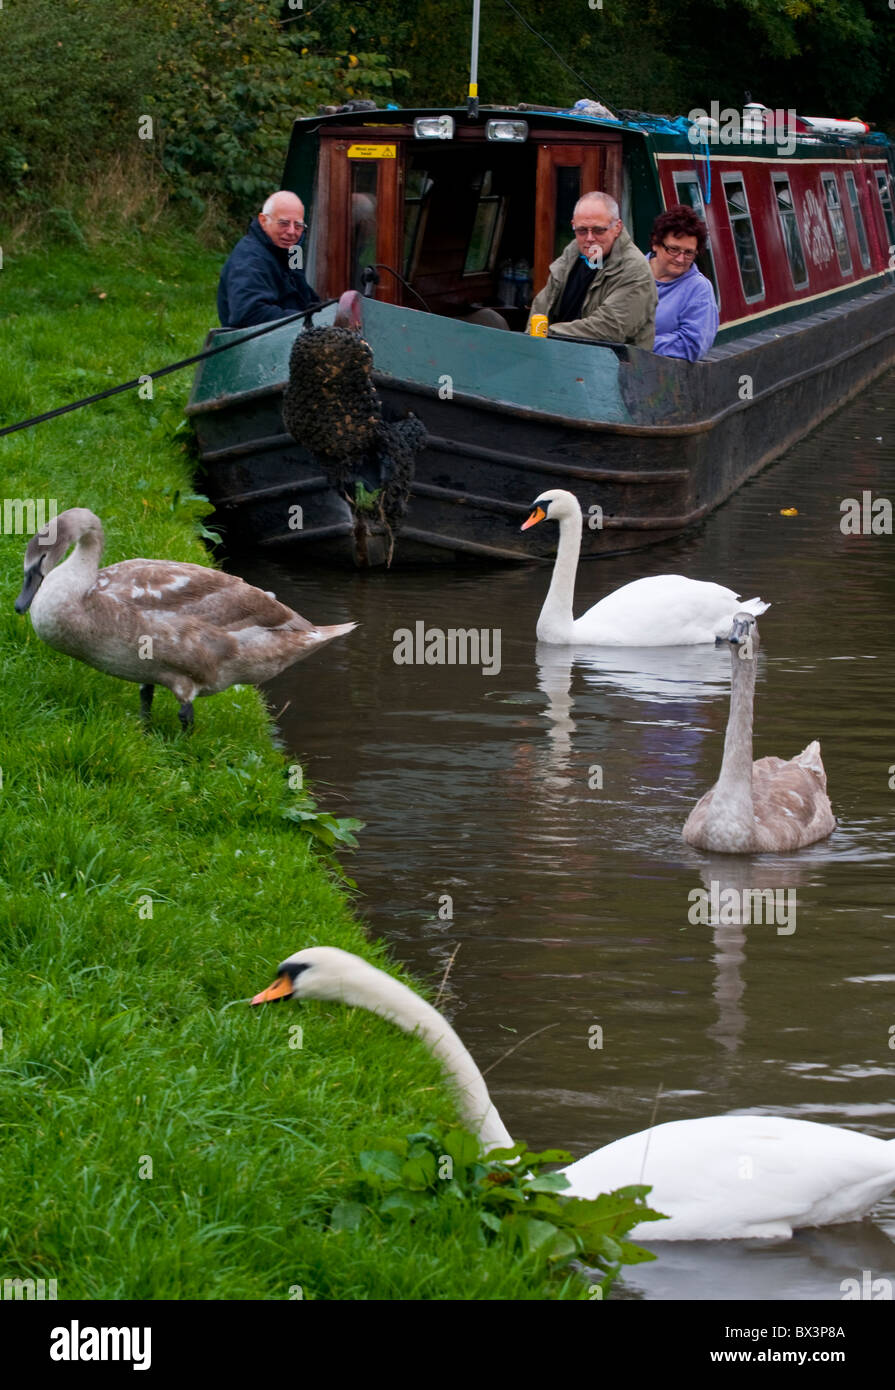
x,y
468,229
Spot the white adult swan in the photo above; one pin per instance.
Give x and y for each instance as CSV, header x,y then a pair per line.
x,y
666,610
767,805
158,622
721,1178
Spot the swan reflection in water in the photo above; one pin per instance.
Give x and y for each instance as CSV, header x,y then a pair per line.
x,y
677,680
815,1263
674,686
744,876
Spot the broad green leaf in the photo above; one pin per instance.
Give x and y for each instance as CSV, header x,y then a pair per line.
x,y
342,830
425,1136
462,1146
395,1146
607,1247
405,1203
502,1196
419,1172
533,1235
548,1156
382,1163
634,1254
563,1247
547,1182
505,1155
346,1216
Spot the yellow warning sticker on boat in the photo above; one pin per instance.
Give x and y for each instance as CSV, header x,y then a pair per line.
x,y
372,151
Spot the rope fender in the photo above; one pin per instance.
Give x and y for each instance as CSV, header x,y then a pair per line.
x,y
332,409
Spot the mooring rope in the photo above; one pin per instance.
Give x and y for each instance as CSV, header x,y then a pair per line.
x,y
164,371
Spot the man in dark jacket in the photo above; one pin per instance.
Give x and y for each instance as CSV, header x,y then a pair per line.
x,y
262,278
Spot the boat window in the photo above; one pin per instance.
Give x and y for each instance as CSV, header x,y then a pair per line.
x,y
857,214
486,228
837,221
417,187
743,237
364,183
689,192
885,197
568,191
789,225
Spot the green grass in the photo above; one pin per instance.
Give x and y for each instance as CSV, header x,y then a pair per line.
x,y
120,1053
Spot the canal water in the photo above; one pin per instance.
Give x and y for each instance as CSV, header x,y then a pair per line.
x,y
528,823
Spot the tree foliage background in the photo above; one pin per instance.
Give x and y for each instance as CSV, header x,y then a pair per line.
x,y
222,80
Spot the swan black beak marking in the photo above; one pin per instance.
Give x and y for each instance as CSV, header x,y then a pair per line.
x,y
537,515
33,581
737,635
280,989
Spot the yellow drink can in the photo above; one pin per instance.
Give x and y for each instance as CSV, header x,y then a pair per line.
x,y
538,326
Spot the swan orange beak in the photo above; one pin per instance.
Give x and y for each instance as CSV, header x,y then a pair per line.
x,y
537,515
280,989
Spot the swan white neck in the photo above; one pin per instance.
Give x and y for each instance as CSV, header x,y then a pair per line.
x,y
732,802
390,999
556,621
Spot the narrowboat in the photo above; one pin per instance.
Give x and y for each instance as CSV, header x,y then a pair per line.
x,y
429,231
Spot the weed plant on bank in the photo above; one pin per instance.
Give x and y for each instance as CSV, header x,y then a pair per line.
x,y
160,1139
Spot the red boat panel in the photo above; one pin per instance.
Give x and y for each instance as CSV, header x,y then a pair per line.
x,y
818,224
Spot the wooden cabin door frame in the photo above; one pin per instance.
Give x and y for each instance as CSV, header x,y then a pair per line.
x,y
345,161
600,164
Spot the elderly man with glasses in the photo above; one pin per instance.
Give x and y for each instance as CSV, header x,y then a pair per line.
x,y
263,277
601,286
687,316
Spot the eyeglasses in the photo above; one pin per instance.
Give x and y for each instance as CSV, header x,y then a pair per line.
x,y
594,231
677,252
284,222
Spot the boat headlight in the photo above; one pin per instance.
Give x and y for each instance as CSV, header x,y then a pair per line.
x,y
506,130
434,127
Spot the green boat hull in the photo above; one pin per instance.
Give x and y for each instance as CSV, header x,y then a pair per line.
x,y
649,444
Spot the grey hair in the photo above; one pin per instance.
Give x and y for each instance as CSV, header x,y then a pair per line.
x,y
605,198
267,210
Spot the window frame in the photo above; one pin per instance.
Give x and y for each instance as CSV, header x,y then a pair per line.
x,y
740,178
854,202
884,187
681,179
829,180
778,178
499,202
421,205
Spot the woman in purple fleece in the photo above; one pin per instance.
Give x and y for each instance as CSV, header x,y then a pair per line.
x,y
687,316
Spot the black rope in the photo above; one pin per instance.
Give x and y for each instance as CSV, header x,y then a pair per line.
x,y
164,371
559,59
379,265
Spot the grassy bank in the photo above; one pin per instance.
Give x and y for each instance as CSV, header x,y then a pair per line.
x,y
156,1143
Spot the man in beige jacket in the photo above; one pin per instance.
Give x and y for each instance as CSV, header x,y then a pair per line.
x,y
601,286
